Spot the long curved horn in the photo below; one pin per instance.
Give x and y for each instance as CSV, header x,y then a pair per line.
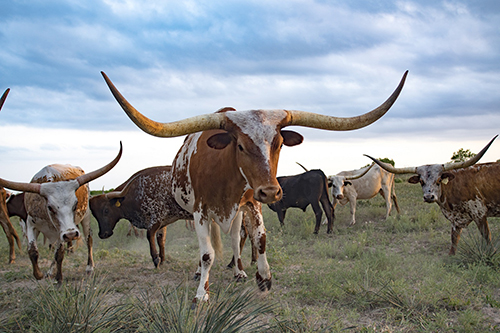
x,y
114,195
176,128
307,119
217,120
361,174
23,187
389,168
4,97
303,167
470,161
85,178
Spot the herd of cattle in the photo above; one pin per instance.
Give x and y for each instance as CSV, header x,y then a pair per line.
x,y
222,174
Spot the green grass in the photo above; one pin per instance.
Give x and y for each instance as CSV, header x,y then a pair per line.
x,y
376,276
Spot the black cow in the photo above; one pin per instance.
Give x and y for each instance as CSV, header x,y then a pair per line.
x,y
308,188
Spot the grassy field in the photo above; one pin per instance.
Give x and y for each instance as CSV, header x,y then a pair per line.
x,y
376,276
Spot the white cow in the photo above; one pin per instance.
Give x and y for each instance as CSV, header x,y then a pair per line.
x,y
57,200
365,183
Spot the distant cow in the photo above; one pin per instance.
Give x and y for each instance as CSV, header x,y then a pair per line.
x,y
56,201
362,184
465,192
300,191
146,201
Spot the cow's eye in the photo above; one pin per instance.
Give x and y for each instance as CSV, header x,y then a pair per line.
x,y
74,206
240,147
51,209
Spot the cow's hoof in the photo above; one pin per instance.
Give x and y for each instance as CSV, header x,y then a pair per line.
x,y
315,232
264,284
156,261
242,277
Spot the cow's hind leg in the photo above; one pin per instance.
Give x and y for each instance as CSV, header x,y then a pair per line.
x,y
318,213
239,273
243,238
385,192
161,237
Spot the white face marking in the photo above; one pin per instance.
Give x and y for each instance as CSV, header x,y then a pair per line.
x,y
61,199
261,127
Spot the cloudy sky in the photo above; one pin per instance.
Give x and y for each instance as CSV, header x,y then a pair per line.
x,y
174,59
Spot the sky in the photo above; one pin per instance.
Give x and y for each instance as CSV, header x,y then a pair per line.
x,y
176,59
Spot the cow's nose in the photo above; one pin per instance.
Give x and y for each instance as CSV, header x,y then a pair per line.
x,y
71,235
340,196
105,234
429,198
268,194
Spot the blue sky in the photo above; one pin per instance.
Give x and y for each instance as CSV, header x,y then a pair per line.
x,y
174,59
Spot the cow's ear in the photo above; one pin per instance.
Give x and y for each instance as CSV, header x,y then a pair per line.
x,y
414,179
219,140
446,177
291,138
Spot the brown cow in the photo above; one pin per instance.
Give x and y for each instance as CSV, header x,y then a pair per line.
x,y
5,222
229,162
465,192
56,201
146,201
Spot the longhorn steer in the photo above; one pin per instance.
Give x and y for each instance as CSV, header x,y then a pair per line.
x,y
363,184
300,191
146,201
8,228
56,201
229,161
465,192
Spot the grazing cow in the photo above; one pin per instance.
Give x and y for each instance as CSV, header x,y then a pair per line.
x,y
56,201
7,226
146,201
229,162
465,192
300,191
363,184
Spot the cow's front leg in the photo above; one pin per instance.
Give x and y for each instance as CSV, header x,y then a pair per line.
x,y
87,232
455,237
161,237
151,233
207,255
263,274
239,273
33,248
58,259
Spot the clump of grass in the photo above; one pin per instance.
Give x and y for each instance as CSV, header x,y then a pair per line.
x,y
474,249
79,307
229,310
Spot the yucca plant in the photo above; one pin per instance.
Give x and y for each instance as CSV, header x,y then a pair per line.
x,y
233,309
474,249
71,307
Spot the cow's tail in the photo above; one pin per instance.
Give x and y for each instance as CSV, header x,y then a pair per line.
x,y
216,239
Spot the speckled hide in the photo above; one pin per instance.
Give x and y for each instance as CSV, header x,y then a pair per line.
x,y
36,205
375,181
7,226
464,195
145,200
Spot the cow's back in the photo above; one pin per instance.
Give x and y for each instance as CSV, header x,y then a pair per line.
x,y
471,186
36,204
370,184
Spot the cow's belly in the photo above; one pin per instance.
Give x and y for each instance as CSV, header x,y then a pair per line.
x,y
462,214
